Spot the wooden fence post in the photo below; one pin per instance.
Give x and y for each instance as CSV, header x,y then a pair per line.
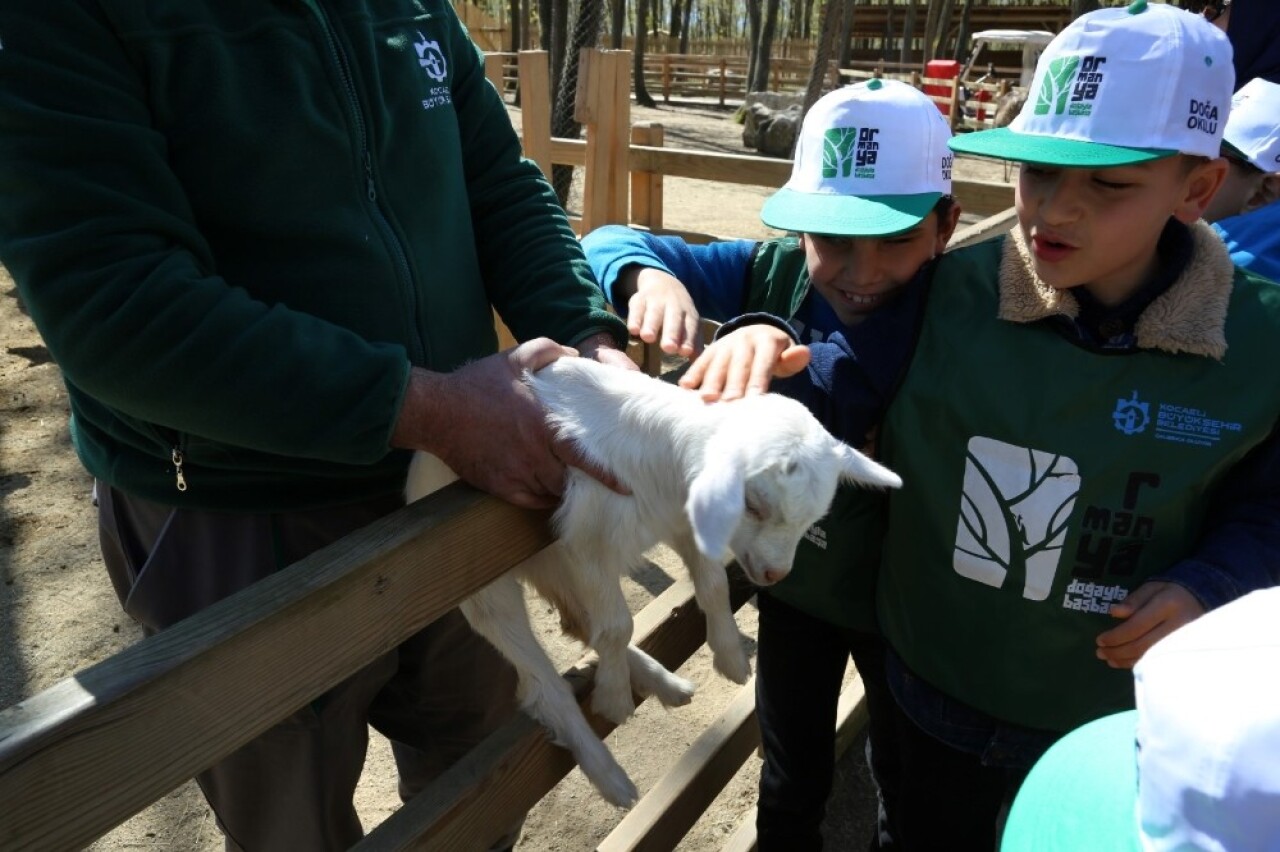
x,y
535,108
646,187
603,107
666,78
493,71
724,76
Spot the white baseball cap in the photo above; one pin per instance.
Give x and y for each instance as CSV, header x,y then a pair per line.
x,y
1253,130
1195,766
1120,86
871,160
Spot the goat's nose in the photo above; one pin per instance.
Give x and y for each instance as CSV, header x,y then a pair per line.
x,y
773,575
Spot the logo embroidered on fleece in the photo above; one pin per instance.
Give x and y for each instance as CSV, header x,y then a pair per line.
x,y
1070,86
433,62
847,150
1013,515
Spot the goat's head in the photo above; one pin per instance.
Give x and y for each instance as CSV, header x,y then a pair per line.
x,y
769,472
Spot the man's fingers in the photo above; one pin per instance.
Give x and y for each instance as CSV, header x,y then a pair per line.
x,y
535,354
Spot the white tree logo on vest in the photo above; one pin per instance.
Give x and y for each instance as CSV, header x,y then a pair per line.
x,y
1013,515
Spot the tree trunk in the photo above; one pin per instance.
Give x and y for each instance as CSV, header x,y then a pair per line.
x,y
754,18
908,33
827,29
962,39
563,124
643,98
886,43
760,82
846,33
617,23
684,26
544,31
943,27
1080,7
931,27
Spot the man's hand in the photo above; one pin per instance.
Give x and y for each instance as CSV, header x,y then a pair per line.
x,y
484,423
601,348
659,310
742,363
1154,610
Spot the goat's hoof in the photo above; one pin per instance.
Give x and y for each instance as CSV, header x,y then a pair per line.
x,y
614,705
619,791
736,667
674,691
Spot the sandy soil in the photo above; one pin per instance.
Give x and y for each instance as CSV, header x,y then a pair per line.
x,y
58,613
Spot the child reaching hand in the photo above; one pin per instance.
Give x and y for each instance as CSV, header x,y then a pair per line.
x,y
869,198
1087,430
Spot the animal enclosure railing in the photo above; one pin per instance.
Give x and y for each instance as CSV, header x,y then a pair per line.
x,y
88,753
624,166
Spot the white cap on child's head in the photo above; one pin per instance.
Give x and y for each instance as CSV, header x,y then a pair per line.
x,y
1253,129
1120,86
871,160
1196,766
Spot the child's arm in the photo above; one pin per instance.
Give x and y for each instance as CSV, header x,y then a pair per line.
x,y
1239,553
661,285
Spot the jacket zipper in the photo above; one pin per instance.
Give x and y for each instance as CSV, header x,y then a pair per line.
x,y
340,60
177,458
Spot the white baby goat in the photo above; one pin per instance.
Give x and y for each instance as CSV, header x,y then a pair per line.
x,y
737,480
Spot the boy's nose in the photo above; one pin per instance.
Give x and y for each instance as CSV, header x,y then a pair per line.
x,y
1059,200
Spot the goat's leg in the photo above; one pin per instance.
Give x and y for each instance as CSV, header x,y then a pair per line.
x,y
711,589
588,593
648,676
497,612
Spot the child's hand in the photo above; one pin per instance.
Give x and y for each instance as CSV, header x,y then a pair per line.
x,y
1153,611
660,306
743,361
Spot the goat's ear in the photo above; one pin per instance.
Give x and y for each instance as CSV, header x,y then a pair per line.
x,y
716,499
857,468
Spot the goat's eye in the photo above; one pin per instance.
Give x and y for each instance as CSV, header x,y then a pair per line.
x,y
754,512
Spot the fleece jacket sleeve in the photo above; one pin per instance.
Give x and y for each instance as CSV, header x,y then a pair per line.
x,y
714,274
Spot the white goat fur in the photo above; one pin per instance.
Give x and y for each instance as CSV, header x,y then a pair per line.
x,y
741,480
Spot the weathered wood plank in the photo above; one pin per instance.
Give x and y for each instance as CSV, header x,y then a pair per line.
x,y
998,223
472,803
83,756
665,814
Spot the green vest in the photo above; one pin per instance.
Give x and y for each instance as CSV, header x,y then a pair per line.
x,y
834,573
1044,482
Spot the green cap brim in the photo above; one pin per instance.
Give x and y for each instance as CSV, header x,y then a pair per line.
x,y
846,215
1082,795
1004,144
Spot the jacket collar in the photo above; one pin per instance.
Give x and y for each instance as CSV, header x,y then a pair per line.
x,y
1189,317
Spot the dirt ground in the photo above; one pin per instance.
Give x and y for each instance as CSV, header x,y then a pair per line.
x,y
58,614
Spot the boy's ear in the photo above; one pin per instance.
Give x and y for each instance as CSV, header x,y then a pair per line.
x,y
1266,192
947,227
1199,186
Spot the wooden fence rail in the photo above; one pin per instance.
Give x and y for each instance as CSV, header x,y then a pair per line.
x,y
625,166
